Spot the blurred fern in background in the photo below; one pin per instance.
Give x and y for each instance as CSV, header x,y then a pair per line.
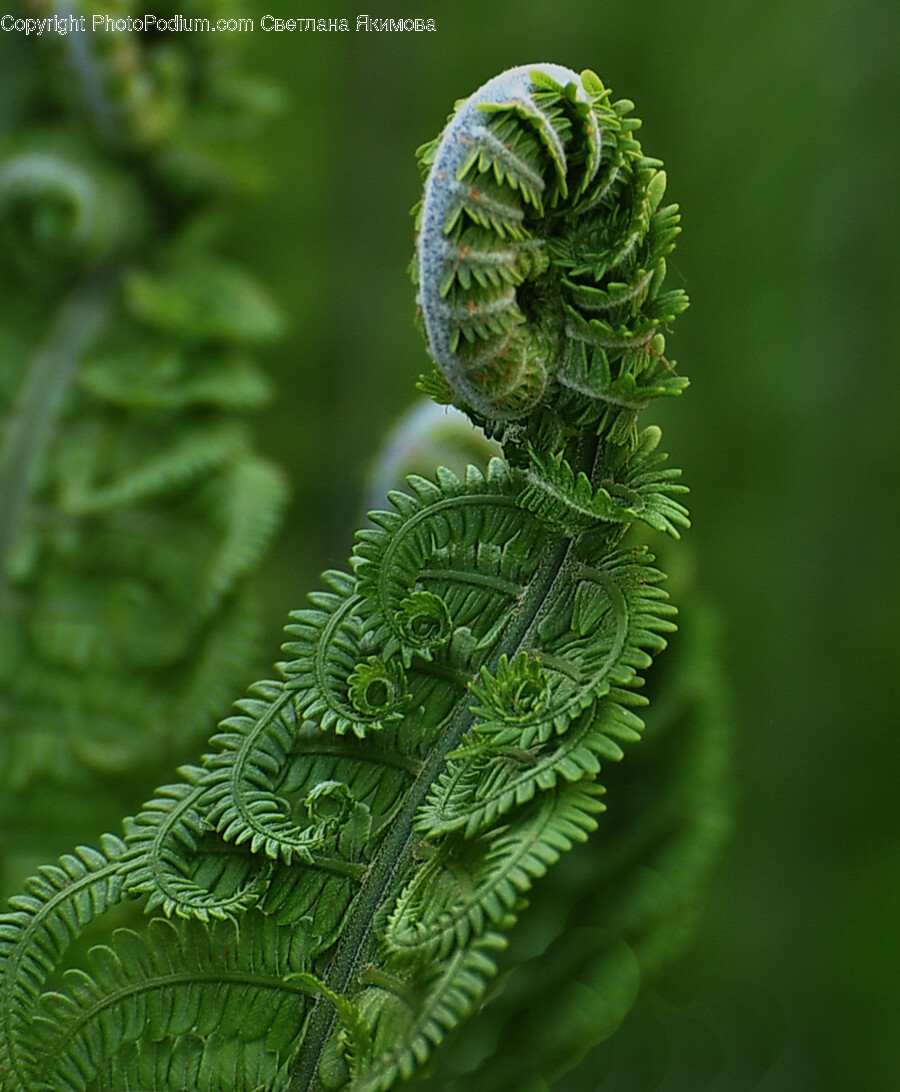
x,y
134,504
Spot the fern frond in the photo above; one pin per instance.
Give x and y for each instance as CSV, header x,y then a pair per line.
x,y
240,784
202,301
190,979
640,488
407,1034
157,377
59,902
328,651
556,495
468,886
406,550
485,780
623,904
134,508
342,870
211,1064
163,840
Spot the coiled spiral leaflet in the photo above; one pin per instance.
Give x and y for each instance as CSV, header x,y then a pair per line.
x,y
541,252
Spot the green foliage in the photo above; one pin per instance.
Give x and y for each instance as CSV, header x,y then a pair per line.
x,y
134,505
330,892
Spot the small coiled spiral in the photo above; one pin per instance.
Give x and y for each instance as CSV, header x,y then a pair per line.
x,y
58,205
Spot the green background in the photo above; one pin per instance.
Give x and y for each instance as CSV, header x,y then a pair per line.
x,y
778,124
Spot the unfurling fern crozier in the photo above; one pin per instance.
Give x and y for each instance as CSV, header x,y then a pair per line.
x,y
541,252
345,865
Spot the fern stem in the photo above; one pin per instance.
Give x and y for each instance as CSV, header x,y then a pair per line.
x,y
394,857
82,59
46,381
326,748
476,580
372,976
338,867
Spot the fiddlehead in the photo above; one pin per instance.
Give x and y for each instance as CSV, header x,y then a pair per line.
x,y
370,826
541,253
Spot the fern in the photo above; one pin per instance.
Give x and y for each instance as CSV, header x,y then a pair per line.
x,y
133,504
333,887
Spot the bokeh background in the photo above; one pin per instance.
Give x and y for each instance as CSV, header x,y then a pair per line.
x,y
777,121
